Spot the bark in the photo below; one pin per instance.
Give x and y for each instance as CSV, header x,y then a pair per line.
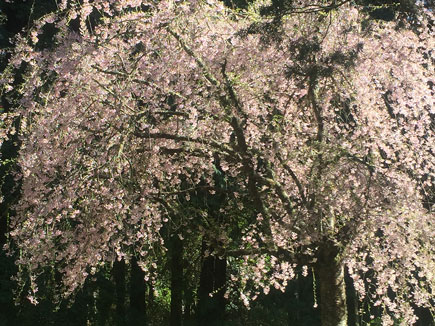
x,y
138,308
330,275
176,282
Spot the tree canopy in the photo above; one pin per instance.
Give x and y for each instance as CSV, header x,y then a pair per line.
x,y
321,125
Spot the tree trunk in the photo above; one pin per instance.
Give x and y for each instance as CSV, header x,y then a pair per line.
x,y
211,309
119,277
330,274
104,300
80,313
188,305
176,318
220,279
205,287
138,309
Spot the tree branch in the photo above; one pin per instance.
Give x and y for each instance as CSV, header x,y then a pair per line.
x,y
136,80
208,75
297,258
295,179
226,150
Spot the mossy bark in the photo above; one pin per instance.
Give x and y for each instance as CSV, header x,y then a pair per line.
x,y
332,291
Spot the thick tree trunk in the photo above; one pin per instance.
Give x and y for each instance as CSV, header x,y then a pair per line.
x,y
176,318
330,274
138,309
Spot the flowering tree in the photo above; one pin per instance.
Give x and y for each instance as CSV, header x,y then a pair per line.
x,y
327,133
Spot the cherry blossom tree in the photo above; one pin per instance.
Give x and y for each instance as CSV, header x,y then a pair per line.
x,y
326,128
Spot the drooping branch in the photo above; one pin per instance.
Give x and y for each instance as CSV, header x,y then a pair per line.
x,y
207,74
234,99
188,190
299,258
279,189
138,81
161,135
307,9
294,177
316,110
